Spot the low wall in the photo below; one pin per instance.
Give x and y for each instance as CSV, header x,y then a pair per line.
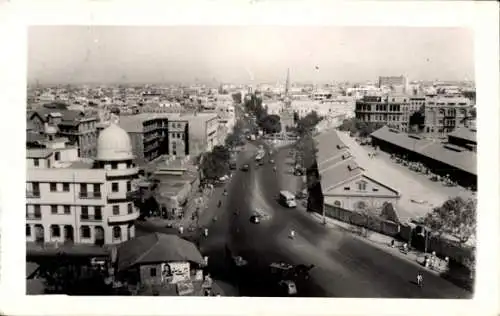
x,y
442,247
376,224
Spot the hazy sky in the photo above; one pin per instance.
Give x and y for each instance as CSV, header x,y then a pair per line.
x,y
107,54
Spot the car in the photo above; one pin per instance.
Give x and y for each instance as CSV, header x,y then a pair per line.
x,y
288,286
255,219
245,167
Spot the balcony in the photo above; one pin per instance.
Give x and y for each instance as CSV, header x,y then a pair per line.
x,y
90,195
35,216
90,218
123,218
32,194
122,172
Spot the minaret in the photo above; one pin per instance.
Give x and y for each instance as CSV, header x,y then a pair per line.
x,y
287,84
287,101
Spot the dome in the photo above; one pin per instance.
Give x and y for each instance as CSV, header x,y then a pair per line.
x,y
114,144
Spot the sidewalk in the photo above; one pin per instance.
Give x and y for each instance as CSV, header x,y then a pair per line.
x,y
202,198
383,242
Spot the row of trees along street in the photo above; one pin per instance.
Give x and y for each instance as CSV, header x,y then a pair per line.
x,y
456,217
269,123
215,164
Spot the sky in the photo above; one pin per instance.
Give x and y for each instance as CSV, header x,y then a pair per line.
x,y
246,54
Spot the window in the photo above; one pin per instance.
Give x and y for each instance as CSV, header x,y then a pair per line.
x,y
55,231
28,230
35,186
53,187
117,233
114,165
116,210
375,190
152,272
337,203
57,156
347,188
85,212
129,186
67,209
362,186
85,232
130,209
97,188
38,212
36,162
53,209
97,213
83,188
114,187
66,187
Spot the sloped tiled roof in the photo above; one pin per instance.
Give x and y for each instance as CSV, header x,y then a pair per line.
x,y
339,173
156,248
462,159
464,133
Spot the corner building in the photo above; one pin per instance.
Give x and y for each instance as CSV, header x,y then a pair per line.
x,y
81,201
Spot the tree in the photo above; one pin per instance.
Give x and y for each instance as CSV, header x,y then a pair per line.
x,y
308,122
296,117
215,164
237,97
270,123
456,217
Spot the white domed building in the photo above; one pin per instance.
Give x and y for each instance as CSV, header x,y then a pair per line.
x,y
81,201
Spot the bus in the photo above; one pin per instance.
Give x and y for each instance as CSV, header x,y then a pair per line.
x,y
287,199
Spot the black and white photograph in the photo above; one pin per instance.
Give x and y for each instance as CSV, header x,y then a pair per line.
x,y
256,161
250,163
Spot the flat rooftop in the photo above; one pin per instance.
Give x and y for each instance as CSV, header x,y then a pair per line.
x,y
134,123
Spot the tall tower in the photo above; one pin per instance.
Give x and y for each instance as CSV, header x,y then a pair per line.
x,y
286,114
287,84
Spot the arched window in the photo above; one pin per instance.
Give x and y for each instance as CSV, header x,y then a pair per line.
x,y
55,231
117,233
361,205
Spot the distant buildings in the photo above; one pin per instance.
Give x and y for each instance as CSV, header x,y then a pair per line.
x,y
80,201
177,134
77,126
443,114
397,84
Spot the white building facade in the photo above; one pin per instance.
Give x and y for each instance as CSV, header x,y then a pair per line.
x,y
70,200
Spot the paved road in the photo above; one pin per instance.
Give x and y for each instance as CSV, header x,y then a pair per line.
x,y
345,266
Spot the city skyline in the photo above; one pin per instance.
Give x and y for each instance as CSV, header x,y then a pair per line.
x,y
140,54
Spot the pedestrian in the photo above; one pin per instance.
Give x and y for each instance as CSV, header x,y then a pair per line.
x,y
392,243
181,229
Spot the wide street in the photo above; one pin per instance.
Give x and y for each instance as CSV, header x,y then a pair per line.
x,y
345,266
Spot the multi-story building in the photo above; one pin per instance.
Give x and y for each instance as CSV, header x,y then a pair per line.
x,y
397,83
81,201
177,134
78,127
381,109
415,104
444,114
